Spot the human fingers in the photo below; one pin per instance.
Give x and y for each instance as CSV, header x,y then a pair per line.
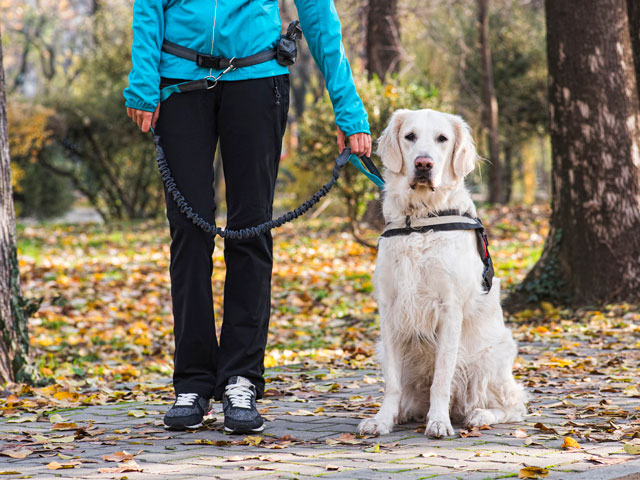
x,y
156,115
340,139
368,145
129,112
355,142
146,121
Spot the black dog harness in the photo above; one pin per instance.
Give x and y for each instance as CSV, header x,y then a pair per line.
x,y
447,221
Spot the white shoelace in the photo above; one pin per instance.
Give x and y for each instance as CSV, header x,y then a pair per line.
x,y
239,395
186,399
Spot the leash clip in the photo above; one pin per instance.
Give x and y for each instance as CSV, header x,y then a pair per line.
x,y
211,78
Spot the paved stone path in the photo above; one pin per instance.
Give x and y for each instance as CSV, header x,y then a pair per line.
x,y
312,418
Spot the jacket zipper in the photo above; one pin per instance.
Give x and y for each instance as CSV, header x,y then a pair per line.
x,y
213,31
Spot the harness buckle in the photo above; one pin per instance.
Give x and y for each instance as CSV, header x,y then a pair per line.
x,y
210,61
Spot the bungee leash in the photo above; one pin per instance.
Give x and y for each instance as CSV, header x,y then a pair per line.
x,y
244,233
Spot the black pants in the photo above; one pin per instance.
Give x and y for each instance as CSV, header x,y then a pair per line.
x,y
249,118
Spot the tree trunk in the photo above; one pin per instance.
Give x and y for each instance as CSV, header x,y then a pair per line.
x,y
633,7
14,309
508,173
383,38
592,253
490,104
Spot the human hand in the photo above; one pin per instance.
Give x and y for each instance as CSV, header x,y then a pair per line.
x,y
360,143
143,118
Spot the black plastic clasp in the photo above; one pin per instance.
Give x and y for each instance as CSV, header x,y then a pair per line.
x,y
209,61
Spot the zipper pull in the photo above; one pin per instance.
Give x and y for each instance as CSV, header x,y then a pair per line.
x,y
277,92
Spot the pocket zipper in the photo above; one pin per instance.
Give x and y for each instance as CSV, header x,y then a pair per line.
x,y
276,91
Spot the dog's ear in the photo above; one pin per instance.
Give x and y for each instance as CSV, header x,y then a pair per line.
x,y
388,145
464,151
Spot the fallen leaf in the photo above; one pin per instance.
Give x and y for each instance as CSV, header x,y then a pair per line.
x,y
520,433
23,419
544,428
252,440
533,472
570,444
137,413
117,457
632,449
301,413
59,466
334,468
64,426
20,452
128,466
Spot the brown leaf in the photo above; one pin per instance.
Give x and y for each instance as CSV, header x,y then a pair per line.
x,y
128,466
117,457
474,432
59,466
544,428
20,452
64,426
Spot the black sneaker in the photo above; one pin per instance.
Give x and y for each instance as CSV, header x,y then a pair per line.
x,y
187,412
239,406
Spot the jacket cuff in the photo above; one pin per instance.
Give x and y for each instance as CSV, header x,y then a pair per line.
x,y
140,105
359,127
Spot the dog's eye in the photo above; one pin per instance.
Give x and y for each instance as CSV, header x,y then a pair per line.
x,y
442,139
411,137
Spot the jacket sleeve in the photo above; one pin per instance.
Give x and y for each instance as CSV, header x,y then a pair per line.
x,y
321,27
143,92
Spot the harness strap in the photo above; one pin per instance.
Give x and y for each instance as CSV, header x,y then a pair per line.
x,y
446,221
216,62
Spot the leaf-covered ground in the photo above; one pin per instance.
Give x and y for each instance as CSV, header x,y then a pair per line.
x,y
104,331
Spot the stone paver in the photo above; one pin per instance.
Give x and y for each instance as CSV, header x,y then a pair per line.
x,y
310,434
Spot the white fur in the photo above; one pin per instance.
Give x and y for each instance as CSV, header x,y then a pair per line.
x,y
444,349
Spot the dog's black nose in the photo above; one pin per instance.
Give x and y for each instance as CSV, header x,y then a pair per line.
x,y
424,163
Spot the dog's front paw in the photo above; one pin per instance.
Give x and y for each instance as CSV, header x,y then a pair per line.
x,y
375,425
479,417
439,428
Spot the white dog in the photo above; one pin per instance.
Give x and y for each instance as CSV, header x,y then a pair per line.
x,y
445,350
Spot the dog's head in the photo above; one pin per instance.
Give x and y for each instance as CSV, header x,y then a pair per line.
x,y
429,149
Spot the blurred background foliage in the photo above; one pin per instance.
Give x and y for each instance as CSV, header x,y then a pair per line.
x,y
71,142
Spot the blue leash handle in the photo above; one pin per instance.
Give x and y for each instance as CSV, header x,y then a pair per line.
x,y
356,162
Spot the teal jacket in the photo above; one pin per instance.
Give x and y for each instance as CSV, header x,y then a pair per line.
x,y
236,28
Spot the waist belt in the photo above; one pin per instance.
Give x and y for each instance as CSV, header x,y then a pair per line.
x,y
217,63
447,221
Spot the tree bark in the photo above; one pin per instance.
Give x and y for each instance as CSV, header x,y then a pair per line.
x,y
592,253
383,38
14,309
490,104
633,7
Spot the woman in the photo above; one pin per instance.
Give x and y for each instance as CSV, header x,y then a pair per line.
x,y
246,111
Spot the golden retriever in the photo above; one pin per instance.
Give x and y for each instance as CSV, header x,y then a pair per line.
x,y
444,348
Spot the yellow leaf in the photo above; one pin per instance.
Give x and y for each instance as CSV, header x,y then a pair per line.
x,y
252,440
569,443
632,449
66,396
533,472
137,413
58,466
23,419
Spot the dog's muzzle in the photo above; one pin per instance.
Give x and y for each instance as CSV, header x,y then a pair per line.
x,y
423,166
